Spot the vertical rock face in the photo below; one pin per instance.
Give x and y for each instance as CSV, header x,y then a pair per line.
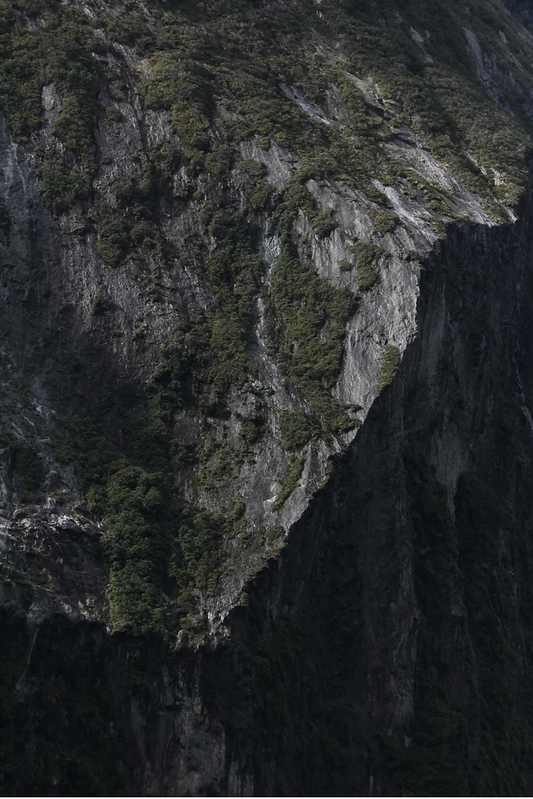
x,y
267,383
393,635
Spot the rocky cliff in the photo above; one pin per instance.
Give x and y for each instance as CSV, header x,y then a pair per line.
x,y
267,384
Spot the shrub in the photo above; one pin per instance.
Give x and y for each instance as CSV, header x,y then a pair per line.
x,y
62,186
325,223
297,429
200,540
391,361
366,277
384,222
99,304
308,344
366,256
253,429
290,481
115,240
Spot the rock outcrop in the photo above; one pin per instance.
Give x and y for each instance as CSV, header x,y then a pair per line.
x,y
267,384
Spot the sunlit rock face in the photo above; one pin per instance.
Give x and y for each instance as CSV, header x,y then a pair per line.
x,y
266,394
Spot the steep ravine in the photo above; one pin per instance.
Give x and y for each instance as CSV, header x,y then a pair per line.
x,y
389,649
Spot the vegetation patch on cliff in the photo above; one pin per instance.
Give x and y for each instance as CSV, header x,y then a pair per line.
x,y
391,362
290,481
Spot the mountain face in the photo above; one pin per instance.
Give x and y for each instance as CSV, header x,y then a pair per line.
x,y
523,8
266,355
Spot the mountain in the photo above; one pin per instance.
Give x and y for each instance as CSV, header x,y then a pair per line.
x,y
521,7
266,363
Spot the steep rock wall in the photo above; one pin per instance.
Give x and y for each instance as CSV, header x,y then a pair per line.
x,y
266,405
389,648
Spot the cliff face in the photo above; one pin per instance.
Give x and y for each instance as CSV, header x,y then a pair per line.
x,y
522,8
266,399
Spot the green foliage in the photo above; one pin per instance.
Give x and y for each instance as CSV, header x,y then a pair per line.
x,y
366,276
64,450
62,186
295,198
258,190
252,429
219,162
156,550
384,222
201,540
139,522
391,362
226,58
99,304
114,242
213,351
308,342
136,548
179,359
96,456
444,100
290,481
234,271
222,56
214,66
131,27
239,509
261,195
325,223
140,331
59,51
185,87
114,114
134,224
366,256
297,429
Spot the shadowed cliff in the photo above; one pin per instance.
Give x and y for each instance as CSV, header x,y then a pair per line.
x,y
266,399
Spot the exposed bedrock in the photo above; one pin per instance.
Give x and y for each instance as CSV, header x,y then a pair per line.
x,y
389,648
